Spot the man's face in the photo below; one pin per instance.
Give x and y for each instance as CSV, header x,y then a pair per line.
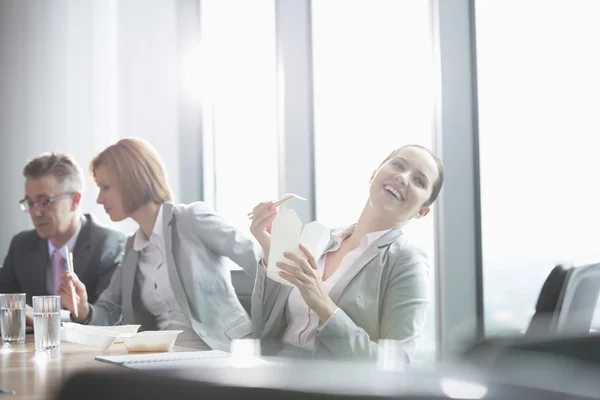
x,y
49,218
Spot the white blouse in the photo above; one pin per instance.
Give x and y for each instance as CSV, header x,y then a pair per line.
x,y
153,279
303,323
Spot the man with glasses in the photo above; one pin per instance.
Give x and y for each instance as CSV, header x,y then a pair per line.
x,y
36,259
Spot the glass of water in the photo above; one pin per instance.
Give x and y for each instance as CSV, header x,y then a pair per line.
x,y
245,352
12,318
46,322
391,355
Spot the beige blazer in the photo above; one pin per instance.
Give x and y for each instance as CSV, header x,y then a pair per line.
x,y
384,295
196,242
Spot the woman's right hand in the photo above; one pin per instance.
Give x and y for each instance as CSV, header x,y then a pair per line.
x,y
66,297
263,216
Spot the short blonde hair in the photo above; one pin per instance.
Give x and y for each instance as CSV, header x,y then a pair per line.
x,y
140,171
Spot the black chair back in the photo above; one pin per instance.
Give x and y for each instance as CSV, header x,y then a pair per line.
x,y
549,303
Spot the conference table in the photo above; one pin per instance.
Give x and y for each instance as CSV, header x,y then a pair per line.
x,y
37,376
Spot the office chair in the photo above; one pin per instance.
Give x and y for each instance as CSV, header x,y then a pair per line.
x,y
579,301
567,302
564,311
549,303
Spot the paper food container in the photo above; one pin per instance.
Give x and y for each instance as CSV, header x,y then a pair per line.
x,y
87,336
151,341
122,331
286,235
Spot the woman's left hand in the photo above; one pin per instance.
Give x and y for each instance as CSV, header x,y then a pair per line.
x,y
307,279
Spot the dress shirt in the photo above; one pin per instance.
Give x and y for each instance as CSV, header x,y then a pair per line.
x,y
70,245
152,278
303,323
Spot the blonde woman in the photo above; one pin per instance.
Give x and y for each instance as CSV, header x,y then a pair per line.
x,y
172,276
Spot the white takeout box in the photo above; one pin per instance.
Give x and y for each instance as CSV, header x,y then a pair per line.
x,y
151,341
87,335
286,236
122,331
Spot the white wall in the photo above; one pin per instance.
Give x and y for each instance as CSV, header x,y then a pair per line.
x,y
75,76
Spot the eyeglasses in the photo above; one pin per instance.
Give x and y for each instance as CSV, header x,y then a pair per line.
x,y
28,205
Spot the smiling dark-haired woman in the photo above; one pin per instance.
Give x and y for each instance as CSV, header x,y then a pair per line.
x,y
369,284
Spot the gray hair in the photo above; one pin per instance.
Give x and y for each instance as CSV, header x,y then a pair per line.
x,y
64,168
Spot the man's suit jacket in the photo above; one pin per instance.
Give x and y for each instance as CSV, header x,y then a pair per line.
x,y
384,295
196,240
98,252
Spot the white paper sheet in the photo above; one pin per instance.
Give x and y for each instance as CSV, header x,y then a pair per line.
x,y
287,234
151,358
185,360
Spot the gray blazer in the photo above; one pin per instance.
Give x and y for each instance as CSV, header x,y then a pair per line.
x,y
196,240
384,295
97,254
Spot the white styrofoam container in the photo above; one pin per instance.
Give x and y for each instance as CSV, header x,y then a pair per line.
x,y
123,331
151,341
88,336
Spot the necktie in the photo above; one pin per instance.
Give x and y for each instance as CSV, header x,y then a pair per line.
x,y
58,267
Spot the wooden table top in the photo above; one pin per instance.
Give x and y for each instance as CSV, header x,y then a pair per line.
x,y
39,375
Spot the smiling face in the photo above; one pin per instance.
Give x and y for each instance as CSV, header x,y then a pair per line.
x,y
109,194
404,183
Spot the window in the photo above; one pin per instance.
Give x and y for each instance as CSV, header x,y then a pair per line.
x,y
538,102
372,94
238,97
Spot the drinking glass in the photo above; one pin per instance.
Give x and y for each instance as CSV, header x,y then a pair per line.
x,y
46,322
12,318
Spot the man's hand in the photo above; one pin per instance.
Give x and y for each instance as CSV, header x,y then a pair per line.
x,y
81,298
28,315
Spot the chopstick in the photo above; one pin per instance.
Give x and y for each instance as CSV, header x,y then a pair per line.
x,y
280,202
73,294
